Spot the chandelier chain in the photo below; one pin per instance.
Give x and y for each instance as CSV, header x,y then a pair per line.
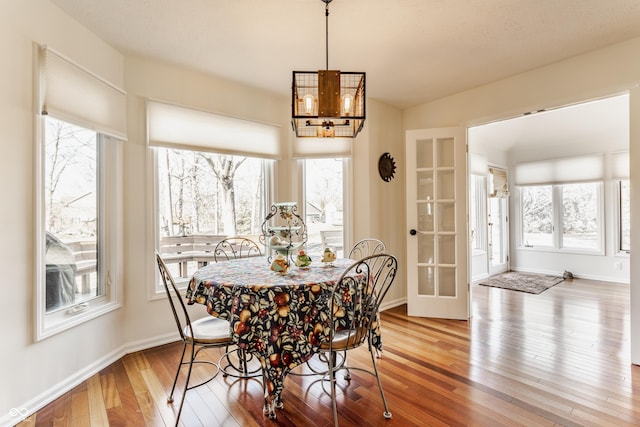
x,y
326,33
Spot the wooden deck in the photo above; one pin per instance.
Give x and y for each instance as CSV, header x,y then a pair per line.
x,y
558,358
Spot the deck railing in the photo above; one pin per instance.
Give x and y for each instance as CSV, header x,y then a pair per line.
x,y
183,250
197,250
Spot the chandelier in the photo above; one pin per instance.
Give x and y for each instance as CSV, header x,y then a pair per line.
x,y
327,103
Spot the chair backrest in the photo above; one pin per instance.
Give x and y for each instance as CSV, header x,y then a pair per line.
x,y
180,313
234,248
367,247
356,298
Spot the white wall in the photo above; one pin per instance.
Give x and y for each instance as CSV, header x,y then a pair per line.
x,y
597,74
31,371
378,206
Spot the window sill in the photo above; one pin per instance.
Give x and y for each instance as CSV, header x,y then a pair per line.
x,y
63,320
564,251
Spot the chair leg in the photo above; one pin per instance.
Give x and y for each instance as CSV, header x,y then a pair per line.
x,y
386,412
332,380
175,379
243,361
237,366
186,384
347,375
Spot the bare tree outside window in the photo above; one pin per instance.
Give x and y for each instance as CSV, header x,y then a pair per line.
x,y
208,193
537,215
574,206
580,216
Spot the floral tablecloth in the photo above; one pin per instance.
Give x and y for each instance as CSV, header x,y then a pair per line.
x,y
281,318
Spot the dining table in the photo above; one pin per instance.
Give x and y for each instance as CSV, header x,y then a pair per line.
x,y
281,318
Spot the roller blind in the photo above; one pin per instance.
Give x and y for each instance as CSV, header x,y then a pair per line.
x,y
306,148
620,165
70,92
174,126
559,171
498,185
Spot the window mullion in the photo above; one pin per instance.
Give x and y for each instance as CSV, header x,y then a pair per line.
x,y
558,212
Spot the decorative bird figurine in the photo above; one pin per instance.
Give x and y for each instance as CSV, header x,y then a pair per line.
x,y
279,264
303,260
328,256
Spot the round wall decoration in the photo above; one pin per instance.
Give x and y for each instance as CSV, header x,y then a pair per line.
x,y
386,167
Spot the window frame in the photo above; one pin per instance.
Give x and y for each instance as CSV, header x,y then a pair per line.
x,y
109,198
478,189
619,250
557,225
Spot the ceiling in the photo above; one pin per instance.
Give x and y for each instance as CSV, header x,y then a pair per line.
x,y
602,122
413,51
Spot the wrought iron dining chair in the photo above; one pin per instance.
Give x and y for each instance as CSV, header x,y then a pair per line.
x,y
237,360
366,247
208,332
234,248
353,324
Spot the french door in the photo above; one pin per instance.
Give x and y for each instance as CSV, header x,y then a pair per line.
x,y
437,246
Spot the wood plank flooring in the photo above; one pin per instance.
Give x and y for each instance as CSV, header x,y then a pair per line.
x,y
557,358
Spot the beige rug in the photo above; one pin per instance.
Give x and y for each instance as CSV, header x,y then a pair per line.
x,y
523,282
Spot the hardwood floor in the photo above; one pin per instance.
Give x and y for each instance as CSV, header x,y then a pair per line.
x,y
557,358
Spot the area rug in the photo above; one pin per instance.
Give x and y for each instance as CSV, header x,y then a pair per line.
x,y
523,282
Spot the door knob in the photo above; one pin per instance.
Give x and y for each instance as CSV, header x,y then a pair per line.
x,y
413,232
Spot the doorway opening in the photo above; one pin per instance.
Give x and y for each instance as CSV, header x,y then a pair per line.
x,y
599,127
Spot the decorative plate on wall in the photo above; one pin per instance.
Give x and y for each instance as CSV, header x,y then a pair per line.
x,y
386,167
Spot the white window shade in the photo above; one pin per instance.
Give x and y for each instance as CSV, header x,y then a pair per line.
x,y
498,185
187,128
74,94
620,165
307,148
559,171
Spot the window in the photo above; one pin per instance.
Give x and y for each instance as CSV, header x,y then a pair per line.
x,y
624,219
537,216
78,229
478,212
324,207
78,190
566,216
71,205
202,198
580,216
619,163
213,176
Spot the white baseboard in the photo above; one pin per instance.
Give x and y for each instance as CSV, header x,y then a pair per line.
x,y
394,303
40,401
577,276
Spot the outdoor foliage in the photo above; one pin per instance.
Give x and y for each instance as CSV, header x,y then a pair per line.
x,y
70,180
578,214
207,193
